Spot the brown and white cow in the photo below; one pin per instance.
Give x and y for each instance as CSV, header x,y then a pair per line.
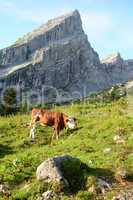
x,y
57,120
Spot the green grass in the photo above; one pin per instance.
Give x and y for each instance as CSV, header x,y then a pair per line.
x,y
97,125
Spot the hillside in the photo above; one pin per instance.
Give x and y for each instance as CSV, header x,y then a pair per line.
x,y
92,142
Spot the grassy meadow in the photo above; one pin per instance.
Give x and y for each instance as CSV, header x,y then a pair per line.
x,y
92,142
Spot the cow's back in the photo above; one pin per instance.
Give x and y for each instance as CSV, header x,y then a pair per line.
x,y
52,119
49,118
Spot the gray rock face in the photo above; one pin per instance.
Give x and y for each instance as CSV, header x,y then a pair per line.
x,y
48,34
57,63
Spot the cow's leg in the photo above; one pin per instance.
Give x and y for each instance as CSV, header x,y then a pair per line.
x,y
57,133
53,135
32,127
32,131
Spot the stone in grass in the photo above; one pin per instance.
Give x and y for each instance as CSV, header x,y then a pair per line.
x,y
121,174
107,150
4,190
103,185
50,170
118,139
119,197
97,185
47,195
126,194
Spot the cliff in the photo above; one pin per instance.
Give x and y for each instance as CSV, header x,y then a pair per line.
x,y
57,63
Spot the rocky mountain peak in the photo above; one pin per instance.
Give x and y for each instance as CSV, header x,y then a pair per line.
x,y
113,59
70,20
60,29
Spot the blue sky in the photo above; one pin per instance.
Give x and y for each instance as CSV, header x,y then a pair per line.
x,y
108,23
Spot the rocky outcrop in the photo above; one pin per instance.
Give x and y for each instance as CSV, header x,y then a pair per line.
x,y
57,63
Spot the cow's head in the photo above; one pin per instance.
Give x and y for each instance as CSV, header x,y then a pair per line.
x,y
71,122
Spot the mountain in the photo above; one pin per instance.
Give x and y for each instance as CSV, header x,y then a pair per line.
x,y
113,59
118,69
57,63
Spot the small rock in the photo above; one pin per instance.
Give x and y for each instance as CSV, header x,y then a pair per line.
x,y
126,194
119,197
4,189
121,172
103,185
97,185
48,195
118,139
90,161
107,150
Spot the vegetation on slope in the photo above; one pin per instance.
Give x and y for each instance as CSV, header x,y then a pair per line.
x,y
98,123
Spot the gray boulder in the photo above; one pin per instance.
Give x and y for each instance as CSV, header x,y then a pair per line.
x,y
50,170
